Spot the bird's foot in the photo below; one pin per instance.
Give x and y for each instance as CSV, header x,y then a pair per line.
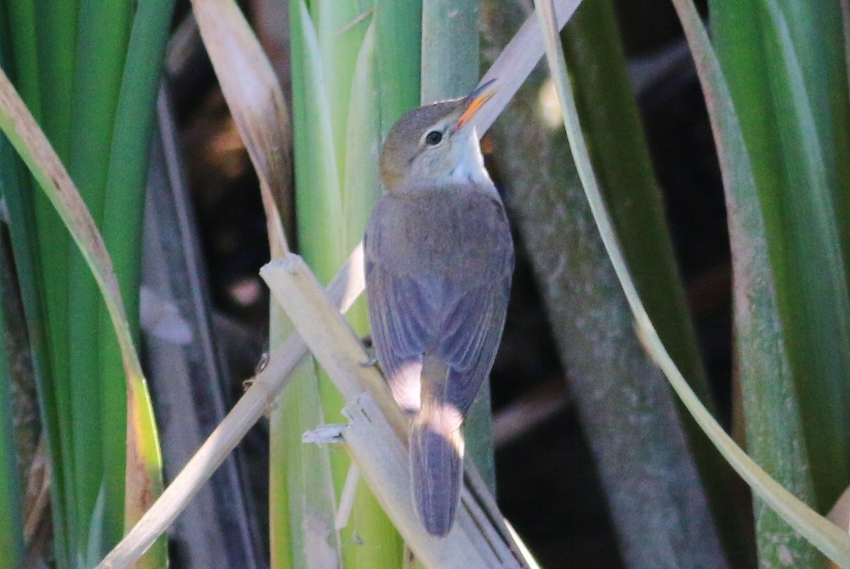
x,y
370,351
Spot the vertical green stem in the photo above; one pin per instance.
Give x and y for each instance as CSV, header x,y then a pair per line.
x,y
450,52
398,54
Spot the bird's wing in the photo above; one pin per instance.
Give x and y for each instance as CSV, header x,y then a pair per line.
x,y
396,316
455,306
470,339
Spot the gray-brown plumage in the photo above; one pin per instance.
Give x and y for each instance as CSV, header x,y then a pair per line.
x,y
439,259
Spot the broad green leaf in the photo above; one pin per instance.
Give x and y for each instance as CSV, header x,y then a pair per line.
x,y
780,64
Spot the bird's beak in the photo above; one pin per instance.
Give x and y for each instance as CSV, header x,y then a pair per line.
x,y
475,101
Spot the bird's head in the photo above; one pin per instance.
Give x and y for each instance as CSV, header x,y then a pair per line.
x,y
435,145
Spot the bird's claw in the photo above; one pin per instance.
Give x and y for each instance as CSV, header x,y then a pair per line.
x,y
367,345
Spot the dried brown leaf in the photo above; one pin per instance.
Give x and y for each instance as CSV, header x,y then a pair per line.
x,y
256,102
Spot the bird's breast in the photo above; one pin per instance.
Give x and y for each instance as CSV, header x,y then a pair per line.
x,y
440,233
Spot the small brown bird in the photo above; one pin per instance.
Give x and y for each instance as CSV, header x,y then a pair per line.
x,y
439,258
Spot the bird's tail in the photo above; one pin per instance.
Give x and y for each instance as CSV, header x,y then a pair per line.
x,y
436,464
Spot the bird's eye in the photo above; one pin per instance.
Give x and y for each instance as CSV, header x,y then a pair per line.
x,y
433,138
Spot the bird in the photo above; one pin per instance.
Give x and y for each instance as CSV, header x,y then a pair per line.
x,y
438,262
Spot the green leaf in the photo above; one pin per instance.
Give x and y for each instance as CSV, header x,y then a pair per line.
x,y
362,186
122,228
340,29
303,472
144,462
811,276
780,61
450,53
317,171
399,39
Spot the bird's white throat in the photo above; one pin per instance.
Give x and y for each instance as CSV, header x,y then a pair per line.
x,y
468,163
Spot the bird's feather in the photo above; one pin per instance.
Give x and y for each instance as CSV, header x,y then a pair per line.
x,y
398,332
438,273
426,297
436,466
471,335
